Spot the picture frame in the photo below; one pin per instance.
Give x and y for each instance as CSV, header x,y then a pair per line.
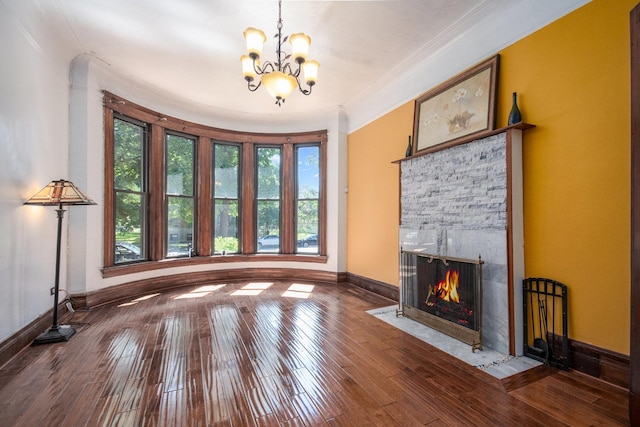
x,y
462,106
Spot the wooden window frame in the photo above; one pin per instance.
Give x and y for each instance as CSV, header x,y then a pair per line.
x,y
158,124
194,196
321,190
211,229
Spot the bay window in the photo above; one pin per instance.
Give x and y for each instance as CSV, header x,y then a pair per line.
x,y
177,190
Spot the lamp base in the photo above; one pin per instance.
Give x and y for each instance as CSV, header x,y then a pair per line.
x,y
55,334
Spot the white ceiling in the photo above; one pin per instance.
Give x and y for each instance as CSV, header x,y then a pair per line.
x,y
189,50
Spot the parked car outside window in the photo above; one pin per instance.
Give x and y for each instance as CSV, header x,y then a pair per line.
x,y
126,251
269,241
311,240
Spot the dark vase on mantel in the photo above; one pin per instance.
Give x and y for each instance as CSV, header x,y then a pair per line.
x,y
514,115
409,151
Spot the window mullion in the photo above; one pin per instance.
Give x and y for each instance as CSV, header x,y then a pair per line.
x,y
248,199
287,200
203,195
156,193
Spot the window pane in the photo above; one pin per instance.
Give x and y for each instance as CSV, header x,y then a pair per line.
x,y
129,215
180,168
268,173
307,211
180,151
308,171
180,226
268,199
226,168
128,155
225,226
307,198
226,179
129,191
269,226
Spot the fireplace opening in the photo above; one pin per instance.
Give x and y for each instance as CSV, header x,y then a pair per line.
x,y
447,289
443,293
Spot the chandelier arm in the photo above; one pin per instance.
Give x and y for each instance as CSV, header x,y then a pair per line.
x,y
287,69
264,69
252,87
304,91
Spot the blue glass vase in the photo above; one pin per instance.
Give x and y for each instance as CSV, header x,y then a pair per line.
x,y
514,115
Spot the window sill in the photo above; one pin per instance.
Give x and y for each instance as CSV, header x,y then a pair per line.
x,y
138,267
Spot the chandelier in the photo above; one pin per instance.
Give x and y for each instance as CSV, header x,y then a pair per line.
x,y
279,77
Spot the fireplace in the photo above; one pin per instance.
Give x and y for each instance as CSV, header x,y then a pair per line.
x,y
458,201
443,293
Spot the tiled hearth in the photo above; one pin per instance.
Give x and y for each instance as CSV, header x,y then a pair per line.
x,y
493,362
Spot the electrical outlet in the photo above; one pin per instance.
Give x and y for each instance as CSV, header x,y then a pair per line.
x,y
52,290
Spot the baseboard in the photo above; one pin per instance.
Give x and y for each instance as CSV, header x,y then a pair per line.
x,y
13,345
380,288
600,363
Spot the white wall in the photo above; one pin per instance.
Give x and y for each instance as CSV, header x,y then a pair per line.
x,y
34,135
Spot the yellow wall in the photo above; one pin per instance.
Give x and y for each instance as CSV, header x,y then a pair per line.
x,y
572,79
374,195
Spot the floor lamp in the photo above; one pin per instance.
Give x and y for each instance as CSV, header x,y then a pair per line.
x,y
58,193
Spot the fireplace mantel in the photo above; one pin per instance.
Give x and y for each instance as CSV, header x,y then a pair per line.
x,y
474,137
465,200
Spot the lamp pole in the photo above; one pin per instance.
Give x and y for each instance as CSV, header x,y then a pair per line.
x,y
56,286
55,333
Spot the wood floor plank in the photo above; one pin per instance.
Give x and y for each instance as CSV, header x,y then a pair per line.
x,y
552,396
360,408
320,390
218,355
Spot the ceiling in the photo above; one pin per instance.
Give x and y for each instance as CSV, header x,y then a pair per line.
x,y
189,50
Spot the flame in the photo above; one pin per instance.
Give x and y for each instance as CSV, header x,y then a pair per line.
x,y
447,289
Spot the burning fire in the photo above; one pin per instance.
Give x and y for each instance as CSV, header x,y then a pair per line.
x,y
446,290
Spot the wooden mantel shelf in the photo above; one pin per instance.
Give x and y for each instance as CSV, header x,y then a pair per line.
x,y
460,141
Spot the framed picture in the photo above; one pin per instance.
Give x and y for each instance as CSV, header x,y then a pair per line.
x,y
460,107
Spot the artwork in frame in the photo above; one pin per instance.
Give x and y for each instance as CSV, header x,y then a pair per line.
x,y
460,107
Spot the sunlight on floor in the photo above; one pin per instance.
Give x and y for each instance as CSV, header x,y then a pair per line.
x,y
137,300
200,292
298,290
295,290
252,289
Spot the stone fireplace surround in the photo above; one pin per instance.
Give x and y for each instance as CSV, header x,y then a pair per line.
x,y
465,201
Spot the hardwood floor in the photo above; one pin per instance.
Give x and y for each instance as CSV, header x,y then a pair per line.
x,y
245,354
